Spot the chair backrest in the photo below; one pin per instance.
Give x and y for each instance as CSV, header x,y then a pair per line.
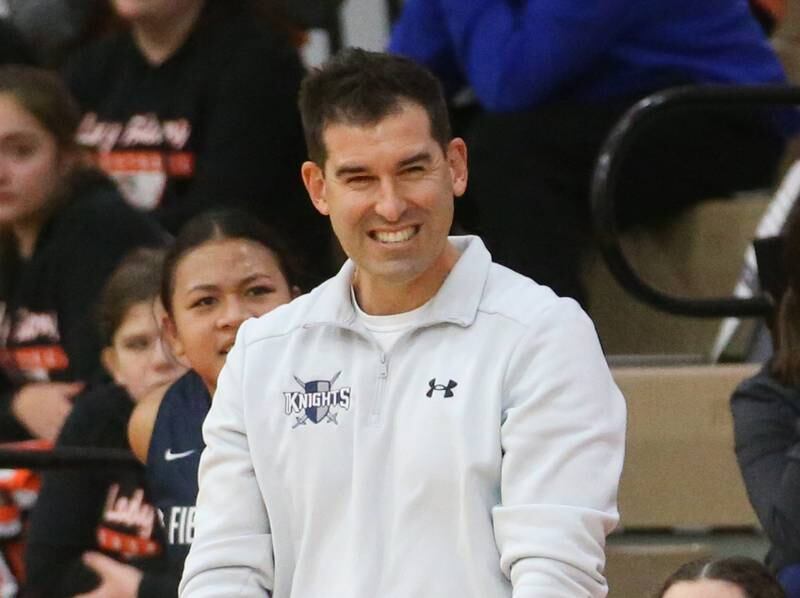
x,y
699,254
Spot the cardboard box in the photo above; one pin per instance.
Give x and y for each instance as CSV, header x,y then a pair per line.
x,y
680,468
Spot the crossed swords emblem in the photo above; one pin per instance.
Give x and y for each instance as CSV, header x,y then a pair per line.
x,y
316,386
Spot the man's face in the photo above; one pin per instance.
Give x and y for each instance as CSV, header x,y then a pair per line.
x,y
388,189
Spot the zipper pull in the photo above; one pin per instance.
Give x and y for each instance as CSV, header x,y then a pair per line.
x,y
384,367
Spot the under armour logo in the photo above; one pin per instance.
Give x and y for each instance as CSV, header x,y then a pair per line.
x,y
447,389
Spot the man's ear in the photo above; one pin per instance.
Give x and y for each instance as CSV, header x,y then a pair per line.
x,y
457,161
314,180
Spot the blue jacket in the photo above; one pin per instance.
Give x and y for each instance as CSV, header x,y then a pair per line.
x,y
517,54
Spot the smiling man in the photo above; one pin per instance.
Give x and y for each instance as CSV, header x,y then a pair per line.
x,y
426,423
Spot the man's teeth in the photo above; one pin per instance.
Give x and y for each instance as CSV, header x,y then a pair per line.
x,y
396,236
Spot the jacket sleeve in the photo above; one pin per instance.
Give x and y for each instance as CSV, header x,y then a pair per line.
x,y
563,437
515,54
768,452
231,554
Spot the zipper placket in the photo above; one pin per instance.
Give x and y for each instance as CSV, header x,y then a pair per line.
x,y
374,410
383,373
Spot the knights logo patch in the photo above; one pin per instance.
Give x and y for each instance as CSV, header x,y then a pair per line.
x,y
318,402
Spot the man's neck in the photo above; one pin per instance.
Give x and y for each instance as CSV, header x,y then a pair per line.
x,y
159,40
379,297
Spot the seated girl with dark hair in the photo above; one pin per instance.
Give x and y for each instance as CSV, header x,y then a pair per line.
x,y
103,510
224,268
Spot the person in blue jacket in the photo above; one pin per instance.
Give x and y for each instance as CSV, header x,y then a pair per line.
x,y
553,76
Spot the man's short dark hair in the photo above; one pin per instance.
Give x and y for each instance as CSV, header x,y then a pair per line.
x,y
360,88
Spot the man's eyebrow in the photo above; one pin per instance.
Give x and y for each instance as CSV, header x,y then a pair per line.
x,y
420,157
346,170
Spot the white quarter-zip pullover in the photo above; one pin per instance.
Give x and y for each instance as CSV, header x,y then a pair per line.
x,y
478,458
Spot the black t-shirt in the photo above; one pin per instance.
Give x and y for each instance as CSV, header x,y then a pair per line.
x,y
94,508
216,124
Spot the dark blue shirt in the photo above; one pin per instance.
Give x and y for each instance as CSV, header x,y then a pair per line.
x,y
173,459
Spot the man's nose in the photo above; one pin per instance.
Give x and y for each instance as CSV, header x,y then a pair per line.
x,y
390,205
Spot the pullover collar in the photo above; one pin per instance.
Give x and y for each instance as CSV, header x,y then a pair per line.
x,y
456,301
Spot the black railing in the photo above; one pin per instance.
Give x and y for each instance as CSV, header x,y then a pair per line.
x,y
67,458
605,182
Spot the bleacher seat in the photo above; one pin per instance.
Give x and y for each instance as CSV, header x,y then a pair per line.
x,y
680,468
638,571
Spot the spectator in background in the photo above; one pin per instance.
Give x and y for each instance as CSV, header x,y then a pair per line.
x,y
766,415
191,104
223,269
63,230
100,509
734,577
553,76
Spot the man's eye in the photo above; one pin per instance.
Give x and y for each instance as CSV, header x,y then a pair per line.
x,y
414,170
359,181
